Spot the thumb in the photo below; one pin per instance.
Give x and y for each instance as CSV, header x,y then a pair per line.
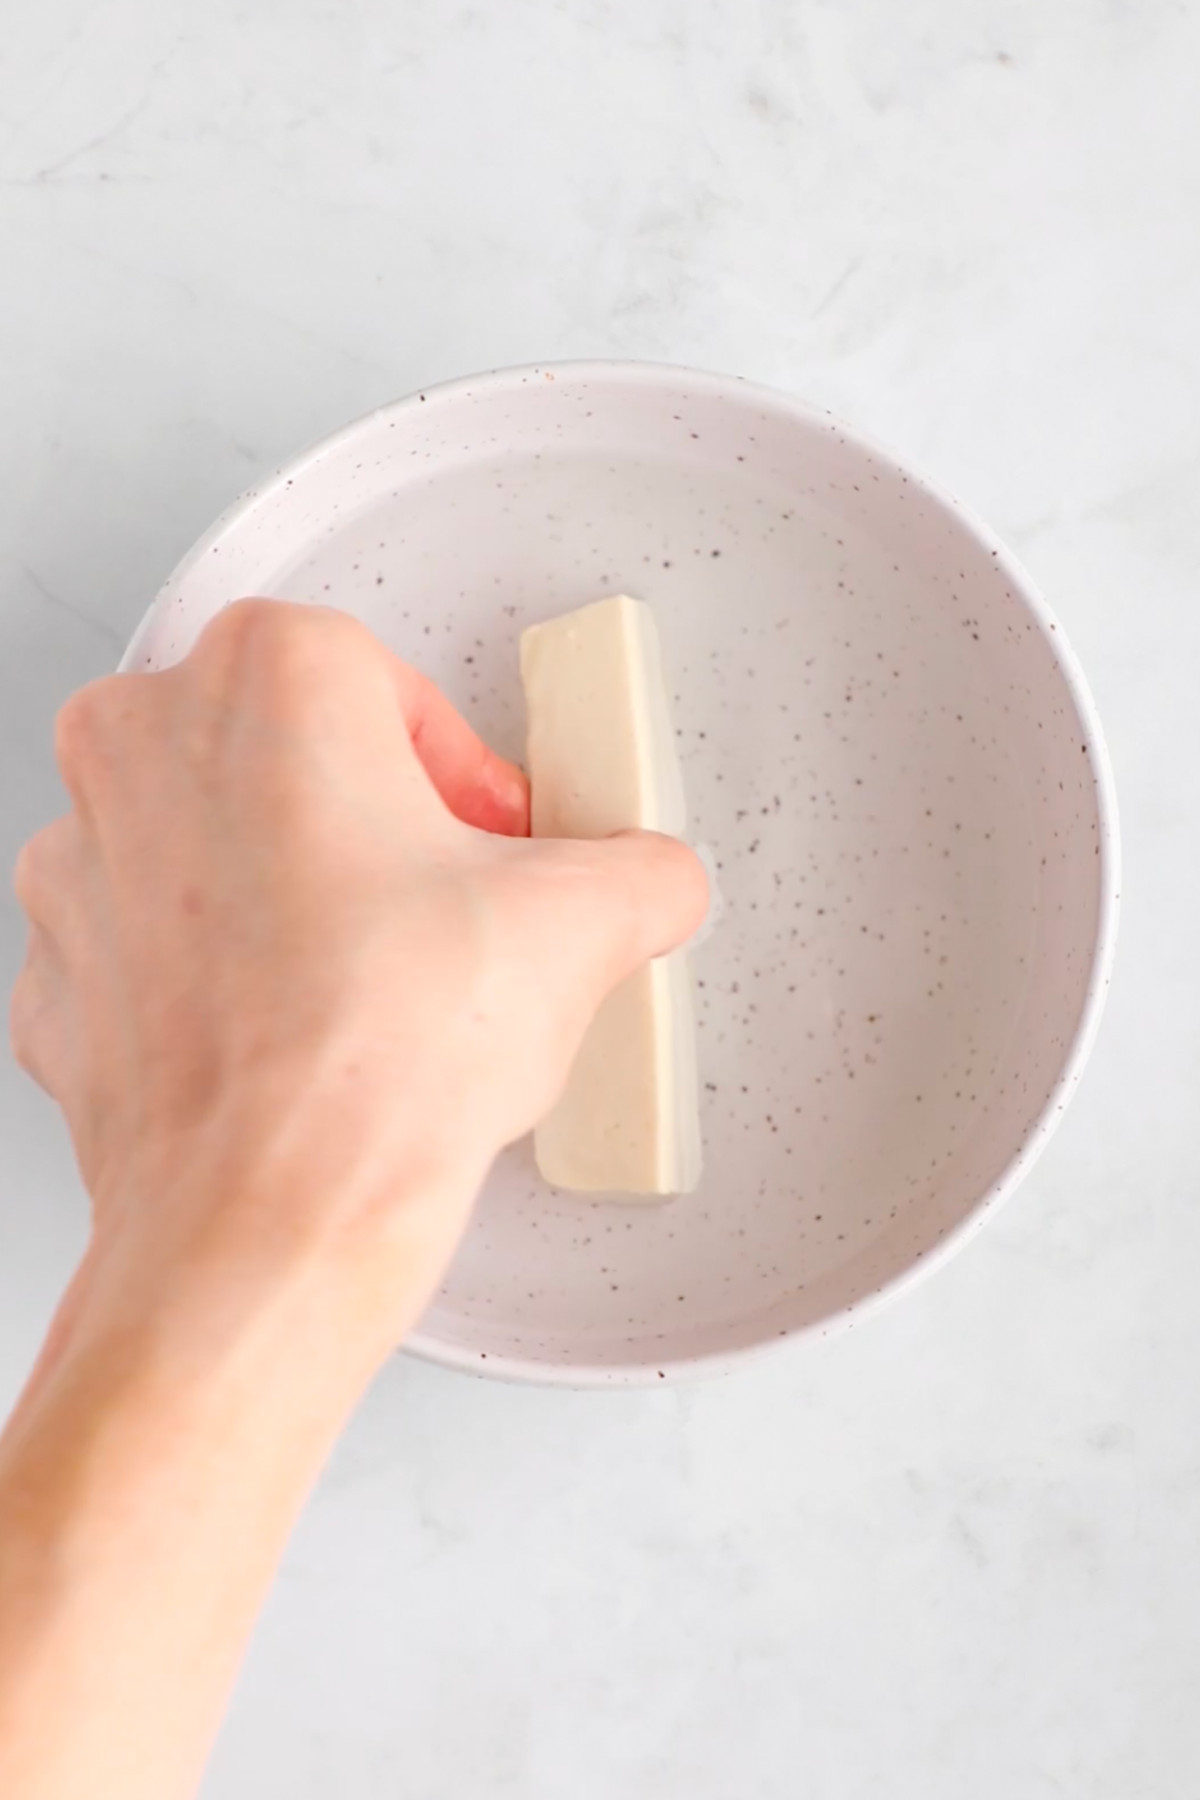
x,y
617,902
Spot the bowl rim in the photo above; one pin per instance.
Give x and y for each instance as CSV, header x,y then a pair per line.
x,y
527,1369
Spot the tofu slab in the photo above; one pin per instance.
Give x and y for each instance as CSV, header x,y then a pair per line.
x,y
602,758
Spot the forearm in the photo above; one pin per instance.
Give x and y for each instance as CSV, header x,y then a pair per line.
x,y
147,1487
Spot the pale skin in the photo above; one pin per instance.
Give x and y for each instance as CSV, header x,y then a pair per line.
x,y
296,974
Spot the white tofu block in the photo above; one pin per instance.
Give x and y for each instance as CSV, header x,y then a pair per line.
x,y
602,759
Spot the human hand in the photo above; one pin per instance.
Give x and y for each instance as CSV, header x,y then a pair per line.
x,y
295,973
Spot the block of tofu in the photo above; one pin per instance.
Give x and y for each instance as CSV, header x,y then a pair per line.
x,y
602,758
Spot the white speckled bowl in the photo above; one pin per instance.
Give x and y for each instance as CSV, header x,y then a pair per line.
x,y
886,743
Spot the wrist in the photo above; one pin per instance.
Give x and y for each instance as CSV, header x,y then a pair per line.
x,y
334,1269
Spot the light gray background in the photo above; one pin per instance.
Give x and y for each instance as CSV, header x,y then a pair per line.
x,y
957,1552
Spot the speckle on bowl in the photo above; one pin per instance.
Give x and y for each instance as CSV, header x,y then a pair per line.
x,y
887,746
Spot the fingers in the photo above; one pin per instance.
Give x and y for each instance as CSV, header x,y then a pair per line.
x,y
330,664
620,901
478,786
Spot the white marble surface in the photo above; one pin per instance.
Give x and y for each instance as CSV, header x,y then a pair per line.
x,y
958,1552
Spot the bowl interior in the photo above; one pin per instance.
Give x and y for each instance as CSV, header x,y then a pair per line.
x,y
883,751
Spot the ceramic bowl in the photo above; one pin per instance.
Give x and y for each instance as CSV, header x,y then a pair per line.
x,y
891,754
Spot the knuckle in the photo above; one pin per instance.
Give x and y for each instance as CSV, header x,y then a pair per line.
x,y
89,724
286,650
76,728
240,623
